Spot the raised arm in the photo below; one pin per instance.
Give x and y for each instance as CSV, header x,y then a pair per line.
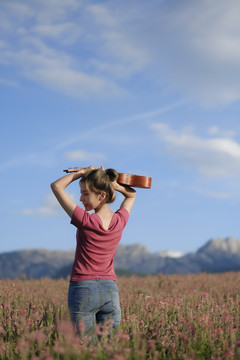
x,y
58,187
129,194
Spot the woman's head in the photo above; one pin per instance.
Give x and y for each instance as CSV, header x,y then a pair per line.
x,y
100,181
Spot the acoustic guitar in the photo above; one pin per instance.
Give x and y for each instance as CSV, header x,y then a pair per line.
x,y
137,181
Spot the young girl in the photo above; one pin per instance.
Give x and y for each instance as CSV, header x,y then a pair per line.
x,y
93,293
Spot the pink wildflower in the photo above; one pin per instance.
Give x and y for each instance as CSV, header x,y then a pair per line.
x,y
125,337
58,348
119,357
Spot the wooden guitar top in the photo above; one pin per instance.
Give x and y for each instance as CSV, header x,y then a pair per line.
x,y
135,180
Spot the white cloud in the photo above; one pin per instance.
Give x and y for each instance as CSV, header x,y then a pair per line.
x,y
55,10
66,33
213,157
189,47
201,46
102,15
213,130
43,61
192,47
43,158
81,155
216,131
49,207
214,194
17,10
119,54
73,82
56,70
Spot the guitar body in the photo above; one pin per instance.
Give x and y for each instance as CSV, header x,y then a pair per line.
x,y
126,179
135,180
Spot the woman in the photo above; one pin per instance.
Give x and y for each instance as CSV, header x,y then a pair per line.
x,y
93,293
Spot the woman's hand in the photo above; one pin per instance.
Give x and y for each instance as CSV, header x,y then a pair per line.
x,y
89,168
82,171
116,185
126,190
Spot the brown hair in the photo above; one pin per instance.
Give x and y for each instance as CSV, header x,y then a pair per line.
x,y
99,180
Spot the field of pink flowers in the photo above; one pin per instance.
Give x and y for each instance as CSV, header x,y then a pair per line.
x,y
163,317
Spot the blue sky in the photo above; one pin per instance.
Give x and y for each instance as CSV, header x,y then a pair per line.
x,y
145,87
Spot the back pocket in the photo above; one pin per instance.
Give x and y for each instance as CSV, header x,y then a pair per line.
x,y
82,298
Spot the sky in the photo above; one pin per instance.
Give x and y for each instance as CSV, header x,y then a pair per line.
x,y
146,87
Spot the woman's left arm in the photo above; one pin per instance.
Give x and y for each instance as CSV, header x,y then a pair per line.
x,y
58,188
129,194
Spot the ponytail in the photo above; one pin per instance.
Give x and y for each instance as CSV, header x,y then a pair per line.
x,y
112,174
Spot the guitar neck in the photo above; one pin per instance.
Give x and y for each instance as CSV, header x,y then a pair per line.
x,y
71,170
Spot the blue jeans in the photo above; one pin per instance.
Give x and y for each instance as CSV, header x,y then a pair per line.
x,y
93,301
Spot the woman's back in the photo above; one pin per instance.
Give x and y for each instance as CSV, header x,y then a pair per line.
x,y
96,245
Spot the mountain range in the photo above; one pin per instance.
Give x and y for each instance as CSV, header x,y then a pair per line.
x,y
217,255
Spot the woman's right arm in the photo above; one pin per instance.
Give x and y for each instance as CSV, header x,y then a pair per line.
x,y
129,194
58,188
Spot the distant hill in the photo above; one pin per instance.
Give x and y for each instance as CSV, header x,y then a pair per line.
x,y
33,263
217,255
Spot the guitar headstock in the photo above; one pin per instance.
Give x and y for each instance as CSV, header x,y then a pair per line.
x,y
71,170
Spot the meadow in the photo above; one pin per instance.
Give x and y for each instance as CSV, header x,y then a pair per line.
x,y
163,317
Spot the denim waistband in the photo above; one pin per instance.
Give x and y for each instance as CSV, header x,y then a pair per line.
x,y
93,281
